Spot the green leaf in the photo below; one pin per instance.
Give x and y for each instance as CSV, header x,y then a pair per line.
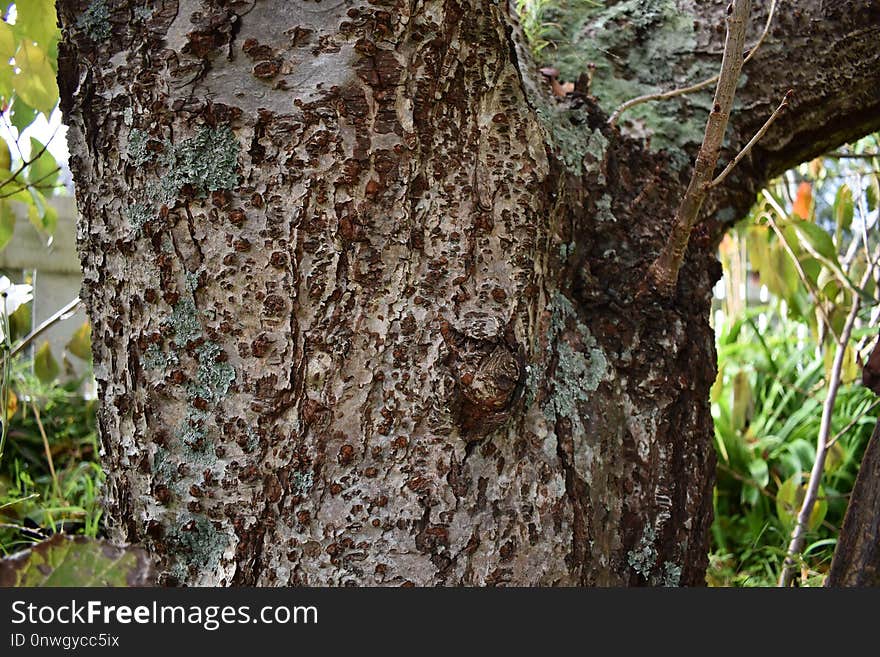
x,y
7,223
742,400
819,240
22,115
35,20
80,344
35,82
20,322
843,207
759,472
46,367
7,50
5,160
790,498
43,171
41,214
65,561
818,243
773,263
872,193
834,457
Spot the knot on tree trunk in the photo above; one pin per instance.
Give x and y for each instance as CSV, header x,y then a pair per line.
x,y
489,374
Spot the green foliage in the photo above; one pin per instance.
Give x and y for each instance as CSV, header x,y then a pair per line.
x,y
774,361
45,366
34,504
28,90
765,433
545,23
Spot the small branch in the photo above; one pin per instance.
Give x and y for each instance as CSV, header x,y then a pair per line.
x,y
4,377
754,140
19,500
859,156
59,315
55,485
27,163
766,493
664,95
853,422
663,273
798,534
34,185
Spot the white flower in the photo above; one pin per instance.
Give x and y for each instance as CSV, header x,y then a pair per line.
x,y
13,296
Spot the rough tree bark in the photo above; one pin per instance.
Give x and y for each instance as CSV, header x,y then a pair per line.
x,y
857,555
363,294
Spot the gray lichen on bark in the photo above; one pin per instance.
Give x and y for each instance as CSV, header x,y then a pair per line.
x,y
373,319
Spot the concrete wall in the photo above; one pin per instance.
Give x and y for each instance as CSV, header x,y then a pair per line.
x,y
55,270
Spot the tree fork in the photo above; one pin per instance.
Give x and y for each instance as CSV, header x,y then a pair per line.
x,y
361,298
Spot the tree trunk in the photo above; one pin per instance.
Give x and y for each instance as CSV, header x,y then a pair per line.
x,y
857,555
363,294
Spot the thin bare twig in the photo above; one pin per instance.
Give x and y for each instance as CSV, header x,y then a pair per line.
x,y
59,315
840,434
754,140
35,185
662,275
48,451
798,534
859,156
863,216
766,493
4,377
19,500
27,163
664,95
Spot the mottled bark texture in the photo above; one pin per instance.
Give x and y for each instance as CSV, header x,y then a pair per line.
x,y
857,555
363,294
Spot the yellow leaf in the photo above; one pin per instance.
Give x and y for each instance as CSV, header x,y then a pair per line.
x,y
36,19
11,405
5,159
7,50
7,224
718,386
80,344
35,82
742,406
790,499
7,42
45,366
834,457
